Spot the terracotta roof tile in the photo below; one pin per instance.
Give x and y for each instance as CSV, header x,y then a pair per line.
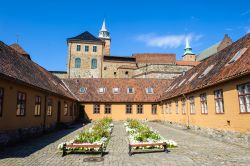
x,y
187,63
221,71
20,50
139,85
18,68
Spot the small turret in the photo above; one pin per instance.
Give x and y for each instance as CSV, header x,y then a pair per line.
x,y
188,53
104,33
105,36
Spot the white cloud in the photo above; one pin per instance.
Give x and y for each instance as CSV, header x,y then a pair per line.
x,y
245,13
228,29
167,41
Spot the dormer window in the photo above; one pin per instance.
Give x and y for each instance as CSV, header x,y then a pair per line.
x,y
237,55
130,90
208,69
101,90
83,90
191,78
181,82
149,90
116,90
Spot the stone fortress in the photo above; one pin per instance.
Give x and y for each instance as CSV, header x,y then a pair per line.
x,y
89,57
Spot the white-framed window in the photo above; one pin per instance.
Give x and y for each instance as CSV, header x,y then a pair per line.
x,y
244,97
77,62
94,48
237,55
139,109
78,47
107,109
166,108
49,107
192,105
1,101
176,107
83,90
96,109
37,106
128,108
149,90
130,90
101,90
21,104
183,104
154,109
86,48
203,98
219,104
162,109
116,90
65,108
206,71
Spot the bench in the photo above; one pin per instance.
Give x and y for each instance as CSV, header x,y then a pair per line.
x,y
164,144
75,146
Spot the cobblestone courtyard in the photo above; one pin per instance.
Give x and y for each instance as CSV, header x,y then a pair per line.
x,y
192,150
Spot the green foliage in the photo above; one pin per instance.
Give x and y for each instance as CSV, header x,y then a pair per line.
x,y
99,130
142,132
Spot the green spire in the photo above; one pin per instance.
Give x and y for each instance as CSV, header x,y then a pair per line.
x,y
188,49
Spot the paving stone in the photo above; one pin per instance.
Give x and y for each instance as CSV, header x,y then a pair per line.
x,y
192,150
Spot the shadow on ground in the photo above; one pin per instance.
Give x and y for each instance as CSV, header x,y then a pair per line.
x,y
33,145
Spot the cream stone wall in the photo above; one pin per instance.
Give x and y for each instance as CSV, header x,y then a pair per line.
x,y
189,57
109,67
161,71
85,70
106,50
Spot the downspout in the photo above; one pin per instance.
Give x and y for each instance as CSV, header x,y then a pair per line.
x,y
69,60
188,123
102,60
44,118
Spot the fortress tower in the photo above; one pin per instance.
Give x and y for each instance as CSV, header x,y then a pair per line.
x,y
105,36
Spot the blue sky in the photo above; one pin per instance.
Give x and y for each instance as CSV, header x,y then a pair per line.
x,y
135,26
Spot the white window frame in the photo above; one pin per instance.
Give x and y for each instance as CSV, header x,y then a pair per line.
x,y
244,97
133,90
149,92
116,90
83,90
219,103
203,98
192,104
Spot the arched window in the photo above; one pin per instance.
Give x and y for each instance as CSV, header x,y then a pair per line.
x,y
93,63
77,63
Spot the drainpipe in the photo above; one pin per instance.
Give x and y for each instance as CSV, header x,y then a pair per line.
x,y
69,60
188,126
44,118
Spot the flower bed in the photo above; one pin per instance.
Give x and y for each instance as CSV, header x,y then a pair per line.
x,y
94,139
141,137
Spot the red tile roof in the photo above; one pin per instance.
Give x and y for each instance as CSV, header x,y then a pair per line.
x,y
139,85
22,70
187,63
221,71
20,50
